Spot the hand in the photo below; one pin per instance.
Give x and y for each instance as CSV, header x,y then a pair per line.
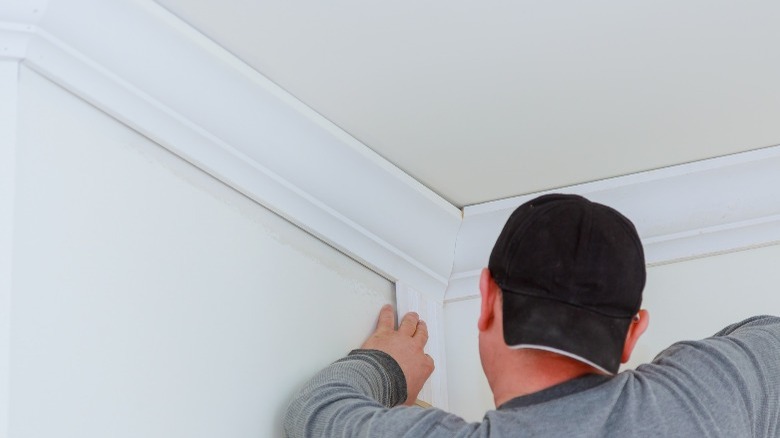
x,y
405,345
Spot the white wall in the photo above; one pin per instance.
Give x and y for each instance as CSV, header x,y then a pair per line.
x,y
688,300
695,299
467,387
8,94
150,300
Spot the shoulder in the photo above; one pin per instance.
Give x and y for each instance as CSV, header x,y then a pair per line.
x,y
753,342
765,324
727,379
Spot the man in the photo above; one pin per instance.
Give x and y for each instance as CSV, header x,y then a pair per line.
x,y
560,310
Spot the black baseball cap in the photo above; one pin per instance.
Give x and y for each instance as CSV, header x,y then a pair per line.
x,y
572,273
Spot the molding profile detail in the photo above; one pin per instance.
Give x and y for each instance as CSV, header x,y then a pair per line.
x,y
681,212
178,88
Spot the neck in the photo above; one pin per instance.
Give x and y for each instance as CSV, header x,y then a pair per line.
x,y
527,371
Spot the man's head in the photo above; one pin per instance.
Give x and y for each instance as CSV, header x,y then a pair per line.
x,y
571,273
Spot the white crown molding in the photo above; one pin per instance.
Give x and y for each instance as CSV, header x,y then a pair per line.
x,y
180,89
682,212
142,65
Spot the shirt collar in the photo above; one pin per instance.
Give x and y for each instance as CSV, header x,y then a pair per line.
x,y
568,387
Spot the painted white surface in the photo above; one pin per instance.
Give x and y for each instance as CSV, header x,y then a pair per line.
x,y
226,118
8,101
139,63
156,74
18,19
481,102
680,212
695,299
687,300
150,299
434,391
469,393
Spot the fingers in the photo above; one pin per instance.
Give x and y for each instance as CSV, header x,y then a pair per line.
x,y
386,320
421,334
409,324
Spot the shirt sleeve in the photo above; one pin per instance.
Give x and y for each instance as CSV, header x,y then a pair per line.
x,y
755,344
358,396
730,381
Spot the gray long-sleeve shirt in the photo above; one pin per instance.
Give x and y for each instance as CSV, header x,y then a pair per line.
x,y
724,386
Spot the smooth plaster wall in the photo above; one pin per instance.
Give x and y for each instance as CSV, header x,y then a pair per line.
x,y
686,300
151,300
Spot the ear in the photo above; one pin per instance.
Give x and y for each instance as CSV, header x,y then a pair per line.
x,y
635,330
487,289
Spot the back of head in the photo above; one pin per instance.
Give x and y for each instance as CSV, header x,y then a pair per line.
x,y
572,274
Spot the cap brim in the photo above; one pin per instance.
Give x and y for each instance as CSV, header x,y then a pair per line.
x,y
592,338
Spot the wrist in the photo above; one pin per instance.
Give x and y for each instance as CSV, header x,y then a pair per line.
x,y
390,370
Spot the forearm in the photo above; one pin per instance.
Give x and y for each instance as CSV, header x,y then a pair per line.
x,y
344,394
357,395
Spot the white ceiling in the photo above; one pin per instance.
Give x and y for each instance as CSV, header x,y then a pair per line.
x,y
486,100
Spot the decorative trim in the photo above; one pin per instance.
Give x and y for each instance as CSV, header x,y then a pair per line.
x,y
434,392
184,92
682,212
